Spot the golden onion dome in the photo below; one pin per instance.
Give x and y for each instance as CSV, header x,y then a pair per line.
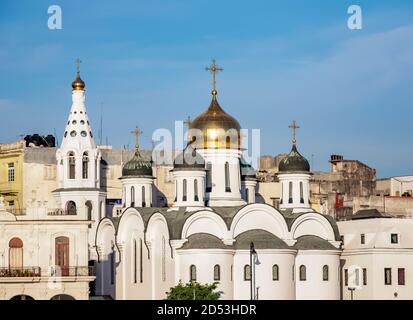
x,y
215,128
78,84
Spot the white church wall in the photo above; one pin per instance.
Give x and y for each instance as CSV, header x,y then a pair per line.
x,y
313,287
269,289
204,260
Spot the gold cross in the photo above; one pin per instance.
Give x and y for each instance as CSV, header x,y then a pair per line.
x,y
137,132
214,68
294,126
188,123
78,62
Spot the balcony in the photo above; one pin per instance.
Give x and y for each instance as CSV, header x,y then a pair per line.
x,y
73,271
61,212
27,272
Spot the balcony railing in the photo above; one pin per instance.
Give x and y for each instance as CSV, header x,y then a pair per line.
x,y
20,272
72,271
15,211
61,212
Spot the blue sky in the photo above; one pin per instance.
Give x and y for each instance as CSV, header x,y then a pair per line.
x,y
143,64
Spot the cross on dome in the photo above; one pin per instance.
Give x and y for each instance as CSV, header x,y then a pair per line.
x,y
294,126
214,69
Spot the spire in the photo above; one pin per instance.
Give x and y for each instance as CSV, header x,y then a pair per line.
x,y
78,84
214,69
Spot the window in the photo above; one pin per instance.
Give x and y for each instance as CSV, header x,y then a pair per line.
x,y
394,238
88,205
290,192
301,192
184,188
228,142
387,276
247,272
16,253
135,261
62,253
196,198
400,276
71,208
72,165
364,277
293,271
112,268
345,277
282,194
303,273
227,182
362,238
325,273
217,273
247,196
85,166
192,273
132,196
231,271
140,260
143,197
209,177
275,273
10,176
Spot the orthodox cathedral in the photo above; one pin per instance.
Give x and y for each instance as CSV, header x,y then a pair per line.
x,y
215,231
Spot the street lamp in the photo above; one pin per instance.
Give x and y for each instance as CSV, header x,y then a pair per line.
x,y
252,253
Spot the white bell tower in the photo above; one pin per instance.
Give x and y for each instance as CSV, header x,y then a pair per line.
x,y
78,165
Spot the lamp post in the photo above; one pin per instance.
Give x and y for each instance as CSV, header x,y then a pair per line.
x,y
252,285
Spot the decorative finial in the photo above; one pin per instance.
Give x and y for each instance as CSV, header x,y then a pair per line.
x,y
137,132
294,126
78,84
214,69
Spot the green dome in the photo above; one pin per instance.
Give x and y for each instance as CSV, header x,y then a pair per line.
x,y
294,162
137,167
189,159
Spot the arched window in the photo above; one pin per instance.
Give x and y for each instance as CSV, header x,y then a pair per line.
x,y
247,272
303,273
217,272
135,261
71,208
184,190
325,273
275,273
209,177
227,182
247,195
72,165
301,192
192,273
143,197
88,205
85,166
228,142
290,192
132,196
196,197
112,267
15,253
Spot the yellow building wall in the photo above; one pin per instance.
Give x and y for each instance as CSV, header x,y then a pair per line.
x,y
12,190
